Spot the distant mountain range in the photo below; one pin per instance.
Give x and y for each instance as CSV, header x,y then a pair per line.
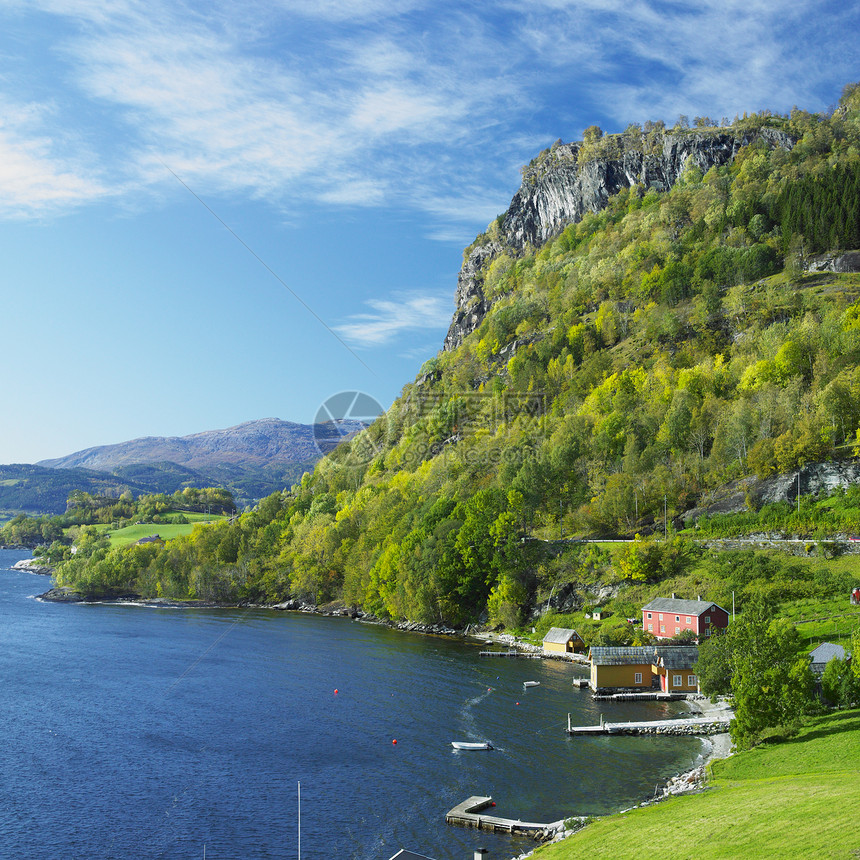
x,y
266,442
252,459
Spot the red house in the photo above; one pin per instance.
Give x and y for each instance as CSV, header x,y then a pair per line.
x,y
666,617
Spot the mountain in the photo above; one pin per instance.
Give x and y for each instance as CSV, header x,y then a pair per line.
x,y
252,460
38,490
658,315
266,442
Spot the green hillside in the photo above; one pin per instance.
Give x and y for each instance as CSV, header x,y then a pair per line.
x,y
653,351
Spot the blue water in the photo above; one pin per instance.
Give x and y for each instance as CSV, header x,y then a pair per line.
x,y
138,732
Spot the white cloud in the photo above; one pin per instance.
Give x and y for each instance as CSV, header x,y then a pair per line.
x,y
354,191
648,59
392,317
350,10
410,103
35,177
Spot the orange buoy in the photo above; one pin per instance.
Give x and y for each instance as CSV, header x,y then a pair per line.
x,y
394,742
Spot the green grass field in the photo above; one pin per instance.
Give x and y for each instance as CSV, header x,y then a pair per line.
x,y
797,798
167,531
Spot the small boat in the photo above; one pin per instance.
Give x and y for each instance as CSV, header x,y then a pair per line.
x,y
531,683
468,745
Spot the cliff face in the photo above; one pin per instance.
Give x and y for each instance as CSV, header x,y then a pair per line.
x,y
558,190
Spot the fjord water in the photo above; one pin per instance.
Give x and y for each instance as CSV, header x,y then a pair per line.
x,y
139,732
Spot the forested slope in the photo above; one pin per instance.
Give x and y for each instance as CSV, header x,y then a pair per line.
x,y
654,349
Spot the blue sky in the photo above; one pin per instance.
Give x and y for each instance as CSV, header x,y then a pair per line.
x,y
355,146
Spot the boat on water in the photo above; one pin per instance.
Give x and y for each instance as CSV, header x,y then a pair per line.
x,y
531,683
471,745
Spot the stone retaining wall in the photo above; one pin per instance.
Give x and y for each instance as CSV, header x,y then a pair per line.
x,y
714,728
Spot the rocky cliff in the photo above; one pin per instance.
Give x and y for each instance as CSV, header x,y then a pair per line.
x,y
568,180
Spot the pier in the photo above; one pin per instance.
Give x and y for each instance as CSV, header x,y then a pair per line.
x,y
638,697
523,655
468,814
691,726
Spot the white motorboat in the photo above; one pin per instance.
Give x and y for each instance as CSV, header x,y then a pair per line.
x,y
531,684
470,745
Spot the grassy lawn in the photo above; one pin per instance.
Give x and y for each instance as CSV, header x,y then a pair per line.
x,y
793,799
822,620
130,534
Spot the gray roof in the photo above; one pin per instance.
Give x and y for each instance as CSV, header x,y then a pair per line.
x,y
825,652
677,656
560,635
622,656
671,656
680,607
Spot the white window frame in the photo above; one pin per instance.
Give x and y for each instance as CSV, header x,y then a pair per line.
x,y
677,680
662,628
677,630
691,681
688,619
650,628
649,614
637,677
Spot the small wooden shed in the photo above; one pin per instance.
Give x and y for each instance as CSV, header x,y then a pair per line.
x,y
562,640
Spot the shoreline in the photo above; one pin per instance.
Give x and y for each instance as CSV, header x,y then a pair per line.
x,y
336,609
715,747
32,565
692,781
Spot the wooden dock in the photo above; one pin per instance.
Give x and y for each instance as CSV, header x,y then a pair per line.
x,y
468,814
691,726
639,697
523,655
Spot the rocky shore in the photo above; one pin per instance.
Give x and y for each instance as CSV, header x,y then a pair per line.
x,y
337,609
64,594
32,565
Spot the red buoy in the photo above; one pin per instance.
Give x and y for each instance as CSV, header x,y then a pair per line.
x,y
335,692
394,742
